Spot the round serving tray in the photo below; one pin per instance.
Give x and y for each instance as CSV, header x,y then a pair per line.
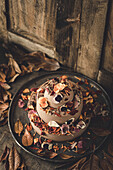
x,y
17,113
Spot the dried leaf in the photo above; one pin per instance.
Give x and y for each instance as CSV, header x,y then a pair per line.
x,y
37,60
14,159
78,164
109,158
95,164
29,127
27,138
110,148
65,156
3,107
13,63
50,155
11,73
3,95
3,122
2,77
101,132
5,85
4,154
18,127
26,90
13,78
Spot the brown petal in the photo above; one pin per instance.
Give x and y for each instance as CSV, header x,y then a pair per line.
x,y
65,156
14,159
4,154
13,78
18,127
27,138
11,72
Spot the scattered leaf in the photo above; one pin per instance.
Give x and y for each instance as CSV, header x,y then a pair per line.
x,y
2,77
65,156
50,155
13,78
27,138
14,159
5,85
18,127
110,147
13,63
29,127
5,154
95,164
3,107
101,132
78,164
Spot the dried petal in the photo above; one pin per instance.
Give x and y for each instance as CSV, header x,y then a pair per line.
x,y
58,87
5,85
18,127
53,124
2,77
26,90
43,102
21,103
27,138
3,106
64,128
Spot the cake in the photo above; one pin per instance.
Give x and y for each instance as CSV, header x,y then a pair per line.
x,y
58,109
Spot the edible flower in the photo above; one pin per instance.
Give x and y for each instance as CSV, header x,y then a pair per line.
x,y
64,129
43,102
58,87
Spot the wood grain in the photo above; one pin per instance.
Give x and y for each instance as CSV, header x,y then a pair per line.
x,y
3,24
107,54
91,36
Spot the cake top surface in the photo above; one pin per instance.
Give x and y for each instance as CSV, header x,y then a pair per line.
x,y
60,94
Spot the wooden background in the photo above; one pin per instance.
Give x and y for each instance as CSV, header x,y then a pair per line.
x,y
78,33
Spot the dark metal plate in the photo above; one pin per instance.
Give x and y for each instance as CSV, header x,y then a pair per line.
x,y
16,113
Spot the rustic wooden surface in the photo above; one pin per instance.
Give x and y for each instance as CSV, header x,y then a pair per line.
x,y
91,36
3,22
108,46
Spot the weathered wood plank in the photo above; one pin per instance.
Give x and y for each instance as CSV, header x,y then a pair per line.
x,y
31,46
105,78
67,35
91,36
3,24
108,47
33,17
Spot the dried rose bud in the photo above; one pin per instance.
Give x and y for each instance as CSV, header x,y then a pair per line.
x,y
21,103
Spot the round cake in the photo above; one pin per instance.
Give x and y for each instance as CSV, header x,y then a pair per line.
x,y
58,110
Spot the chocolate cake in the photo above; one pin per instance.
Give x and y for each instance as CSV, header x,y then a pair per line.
x,y
58,115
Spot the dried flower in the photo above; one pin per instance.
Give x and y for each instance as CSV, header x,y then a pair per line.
x,y
21,104
64,128
43,102
58,87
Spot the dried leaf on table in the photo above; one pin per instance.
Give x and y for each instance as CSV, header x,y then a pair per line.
x,y
18,127
101,132
78,164
27,138
51,155
65,156
14,159
3,107
110,147
3,122
37,60
5,85
13,63
2,77
13,78
91,164
5,154
3,95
